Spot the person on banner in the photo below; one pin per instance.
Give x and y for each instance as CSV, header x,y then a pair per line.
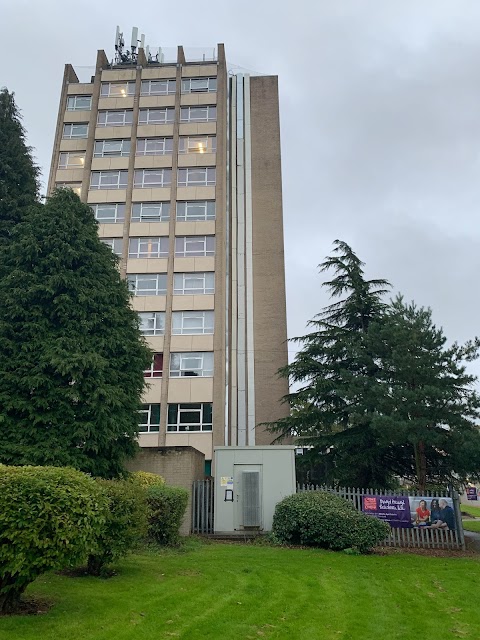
x,y
435,513
422,517
446,518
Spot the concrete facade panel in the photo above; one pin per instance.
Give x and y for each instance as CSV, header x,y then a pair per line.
x,y
114,104
206,228
151,195
76,116
147,265
110,133
157,101
198,128
103,164
146,229
199,71
118,74
152,162
163,72
154,130
186,303
80,88
106,195
197,160
192,99
199,441
69,175
110,230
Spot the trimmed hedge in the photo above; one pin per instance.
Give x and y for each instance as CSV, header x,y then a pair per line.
x,y
146,479
50,517
125,523
320,519
167,507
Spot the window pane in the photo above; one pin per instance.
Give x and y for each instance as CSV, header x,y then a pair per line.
x,y
150,212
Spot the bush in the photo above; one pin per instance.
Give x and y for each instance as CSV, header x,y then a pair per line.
x,y
166,510
146,479
125,523
50,517
320,519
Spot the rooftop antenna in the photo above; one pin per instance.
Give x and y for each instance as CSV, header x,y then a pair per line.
x,y
142,41
119,44
134,42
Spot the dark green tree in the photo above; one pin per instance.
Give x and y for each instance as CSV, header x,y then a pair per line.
x,y
18,173
337,375
427,403
72,357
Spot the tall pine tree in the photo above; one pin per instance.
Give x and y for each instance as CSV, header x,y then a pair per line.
x,y
18,173
333,408
72,355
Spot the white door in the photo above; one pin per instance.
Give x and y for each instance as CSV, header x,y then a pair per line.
x,y
247,486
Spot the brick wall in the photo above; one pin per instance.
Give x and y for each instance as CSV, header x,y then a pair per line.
x,y
180,466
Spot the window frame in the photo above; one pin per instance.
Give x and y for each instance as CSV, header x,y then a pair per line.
x,y
128,93
139,217
169,88
71,154
111,242
169,113
76,187
153,370
152,423
159,290
118,217
72,125
165,172
183,291
167,142
81,97
185,146
126,113
122,179
123,142
210,81
203,328
185,204
157,318
209,180
178,408
183,250
161,241
210,116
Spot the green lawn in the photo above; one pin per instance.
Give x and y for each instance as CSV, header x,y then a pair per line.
x,y
471,510
235,592
471,525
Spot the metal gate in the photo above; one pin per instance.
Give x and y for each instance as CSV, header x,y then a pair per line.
x,y
202,506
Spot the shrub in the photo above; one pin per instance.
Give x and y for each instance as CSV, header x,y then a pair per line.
x,y
49,517
125,523
320,519
166,510
146,479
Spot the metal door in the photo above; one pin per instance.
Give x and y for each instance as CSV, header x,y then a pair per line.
x,y
248,496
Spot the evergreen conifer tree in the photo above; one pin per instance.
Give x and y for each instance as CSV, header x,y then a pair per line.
x,y
72,357
18,173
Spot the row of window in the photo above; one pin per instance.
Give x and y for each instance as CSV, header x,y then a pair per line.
x,y
148,88
146,178
152,323
188,211
198,364
124,117
145,147
180,417
155,284
157,247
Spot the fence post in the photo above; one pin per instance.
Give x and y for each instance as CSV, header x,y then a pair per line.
x,y
458,516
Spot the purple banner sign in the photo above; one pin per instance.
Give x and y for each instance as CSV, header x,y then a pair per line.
x,y
472,493
392,509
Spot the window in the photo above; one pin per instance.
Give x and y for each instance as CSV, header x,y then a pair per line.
x,y
145,178
148,248
117,89
75,131
194,283
199,85
197,364
150,212
108,180
195,210
109,212
196,177
152,323
157,87
155,369
115,244
192,322
76,187
109,148
154,146
162,115
194,246
114,118
197,144
149,418
198,114
148,284
79,103
71,160
190,417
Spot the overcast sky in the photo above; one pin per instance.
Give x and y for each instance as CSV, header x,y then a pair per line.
x,y
380,117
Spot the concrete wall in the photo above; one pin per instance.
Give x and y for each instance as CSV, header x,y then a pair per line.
x,y
180,466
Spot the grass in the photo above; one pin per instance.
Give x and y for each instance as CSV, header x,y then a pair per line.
x,y
471,525
471,510
236,592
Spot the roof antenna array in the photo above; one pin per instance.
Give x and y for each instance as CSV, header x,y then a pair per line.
x,y
127,56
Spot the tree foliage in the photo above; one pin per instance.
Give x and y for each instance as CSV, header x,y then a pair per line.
x,y
72,357
380,395
166,508
49,518
18,173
